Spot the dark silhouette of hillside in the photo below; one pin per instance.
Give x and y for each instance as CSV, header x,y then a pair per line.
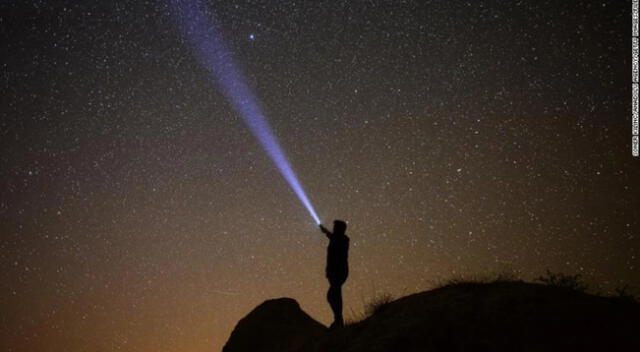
x,y
273,326
498,316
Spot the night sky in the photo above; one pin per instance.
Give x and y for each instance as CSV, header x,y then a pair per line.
x,y
139,213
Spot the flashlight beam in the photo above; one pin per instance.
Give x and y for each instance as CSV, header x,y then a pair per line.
x,y
198,26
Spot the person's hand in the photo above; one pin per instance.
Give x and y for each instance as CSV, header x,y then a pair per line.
x,y
323,229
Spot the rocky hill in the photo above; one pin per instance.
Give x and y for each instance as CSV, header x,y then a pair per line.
x,y
501,316
275,325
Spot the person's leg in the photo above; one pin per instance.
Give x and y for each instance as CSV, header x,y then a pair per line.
x,y
338,303
334,296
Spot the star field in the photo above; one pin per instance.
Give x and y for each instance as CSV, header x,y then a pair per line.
x,y
138,213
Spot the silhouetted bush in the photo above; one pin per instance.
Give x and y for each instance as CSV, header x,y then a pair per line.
x,y
471,280
571,282
369,308
625,294
378,304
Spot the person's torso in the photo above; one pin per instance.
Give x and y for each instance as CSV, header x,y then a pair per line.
x,y
338,253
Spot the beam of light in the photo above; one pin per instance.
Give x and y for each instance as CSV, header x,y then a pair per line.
x,y
198,26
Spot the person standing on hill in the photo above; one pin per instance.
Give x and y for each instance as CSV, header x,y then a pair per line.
x,y
337,269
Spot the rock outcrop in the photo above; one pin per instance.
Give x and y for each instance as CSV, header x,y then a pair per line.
x,y
277,325
500,316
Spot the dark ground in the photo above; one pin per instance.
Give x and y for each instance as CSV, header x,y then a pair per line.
x,y
498,316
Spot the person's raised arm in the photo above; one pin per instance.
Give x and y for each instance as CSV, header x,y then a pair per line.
x,y
325,231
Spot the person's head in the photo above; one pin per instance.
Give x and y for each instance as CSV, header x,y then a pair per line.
x,y
339,227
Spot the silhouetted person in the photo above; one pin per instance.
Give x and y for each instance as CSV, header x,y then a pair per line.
x,y
337,268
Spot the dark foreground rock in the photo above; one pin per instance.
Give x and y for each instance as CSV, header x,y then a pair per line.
x,y
504,316
275,325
